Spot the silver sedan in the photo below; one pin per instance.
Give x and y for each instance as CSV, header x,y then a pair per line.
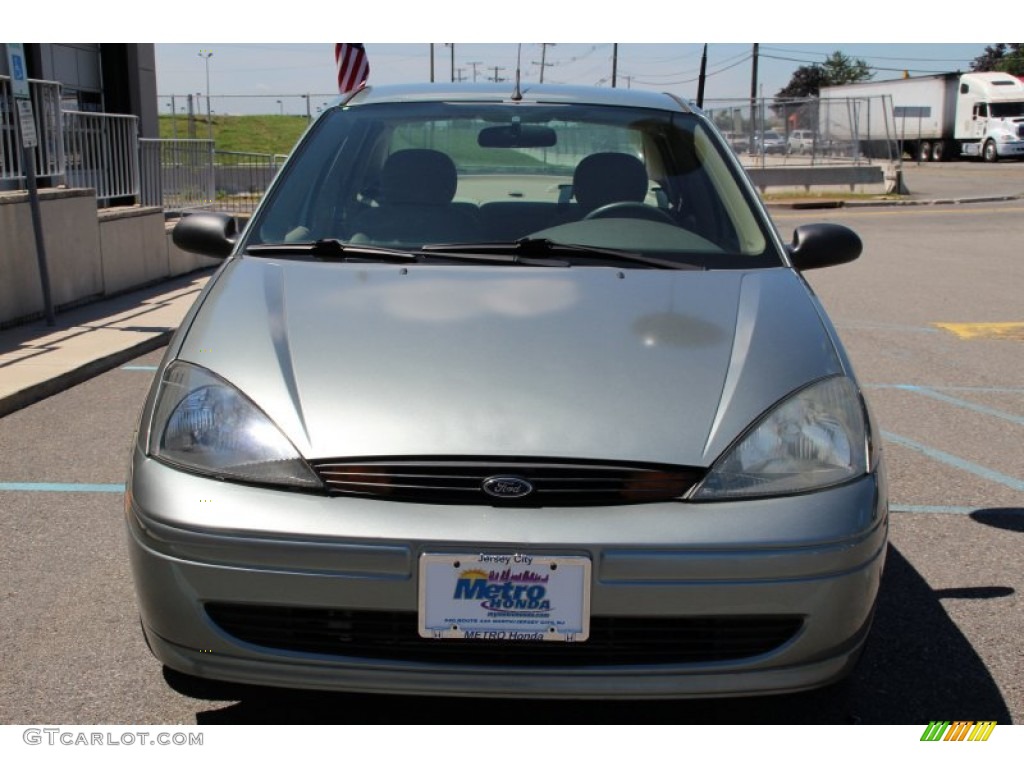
x,y
509,392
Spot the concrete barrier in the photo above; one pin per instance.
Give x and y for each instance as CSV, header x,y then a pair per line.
x,y
71,241
90,254
804,177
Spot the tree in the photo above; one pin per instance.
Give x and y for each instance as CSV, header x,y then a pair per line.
x,y
806,81
1001,57
837,69
841,69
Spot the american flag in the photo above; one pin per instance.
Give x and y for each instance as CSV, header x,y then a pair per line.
x,y
353,67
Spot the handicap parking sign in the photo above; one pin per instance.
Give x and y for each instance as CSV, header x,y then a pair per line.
x,y
19,74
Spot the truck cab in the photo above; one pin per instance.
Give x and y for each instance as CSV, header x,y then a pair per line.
x,y
990,116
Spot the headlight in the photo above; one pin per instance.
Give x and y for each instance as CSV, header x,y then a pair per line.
x,y
204,424
814,439
1004,137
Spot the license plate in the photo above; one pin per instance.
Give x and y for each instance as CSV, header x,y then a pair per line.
x,y
482,596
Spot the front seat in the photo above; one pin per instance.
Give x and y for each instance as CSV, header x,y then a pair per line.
x,y
417,187
608,177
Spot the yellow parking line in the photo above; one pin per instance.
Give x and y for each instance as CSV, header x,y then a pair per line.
x,y
985,330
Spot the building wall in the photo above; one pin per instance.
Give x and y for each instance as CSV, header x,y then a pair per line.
x,y
76,66
119,78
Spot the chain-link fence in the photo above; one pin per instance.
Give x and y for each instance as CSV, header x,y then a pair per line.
x,y
807,131
192,109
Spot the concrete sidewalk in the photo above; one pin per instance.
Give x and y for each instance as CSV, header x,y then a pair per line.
x,y
37,360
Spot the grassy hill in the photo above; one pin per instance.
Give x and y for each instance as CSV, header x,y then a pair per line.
x,y
277,134
266,134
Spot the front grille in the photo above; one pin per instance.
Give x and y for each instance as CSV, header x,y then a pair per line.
x,y
461,481
614,641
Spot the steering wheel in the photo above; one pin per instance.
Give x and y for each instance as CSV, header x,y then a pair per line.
x,y
629,210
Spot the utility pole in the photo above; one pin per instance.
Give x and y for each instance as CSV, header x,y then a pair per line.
x,y
209,119
615,62
474,65
703,77
497,79
543,63
452,46
431,62
753,96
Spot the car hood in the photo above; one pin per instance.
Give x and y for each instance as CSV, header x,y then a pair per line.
x,y
631,365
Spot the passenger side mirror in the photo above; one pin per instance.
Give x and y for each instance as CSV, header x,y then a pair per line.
x,y
207,233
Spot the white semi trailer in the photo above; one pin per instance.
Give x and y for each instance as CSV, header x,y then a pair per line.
x,y
934,117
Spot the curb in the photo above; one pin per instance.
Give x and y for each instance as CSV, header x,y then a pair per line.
x,y
830,204
44,389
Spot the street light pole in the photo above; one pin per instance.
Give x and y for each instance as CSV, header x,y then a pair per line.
x,y
209,119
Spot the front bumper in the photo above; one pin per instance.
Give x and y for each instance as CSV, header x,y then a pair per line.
x,y
195,542
1010,148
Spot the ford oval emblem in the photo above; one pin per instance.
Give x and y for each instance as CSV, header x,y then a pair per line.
x,y
506,487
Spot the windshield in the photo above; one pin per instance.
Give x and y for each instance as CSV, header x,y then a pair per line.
x,y
408,175
1007,109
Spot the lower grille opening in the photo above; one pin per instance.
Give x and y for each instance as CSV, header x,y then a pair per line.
x,y
614,641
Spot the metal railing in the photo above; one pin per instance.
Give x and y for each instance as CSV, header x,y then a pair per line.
x,y
241,178
77,149
189,174
49,154
101,151
177,174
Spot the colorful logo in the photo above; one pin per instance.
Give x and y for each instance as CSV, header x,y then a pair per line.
x,y
958,730
506,591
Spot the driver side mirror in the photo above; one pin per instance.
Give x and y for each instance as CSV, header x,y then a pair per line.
x,y
823,245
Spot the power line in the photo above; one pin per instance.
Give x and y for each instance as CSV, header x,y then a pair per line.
x,y
879,58
870,66
744,60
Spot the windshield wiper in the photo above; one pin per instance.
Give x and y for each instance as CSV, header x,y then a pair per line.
x,y
337,250
540,250
334,249
527,251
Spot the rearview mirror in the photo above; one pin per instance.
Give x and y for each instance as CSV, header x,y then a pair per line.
x,y
516,136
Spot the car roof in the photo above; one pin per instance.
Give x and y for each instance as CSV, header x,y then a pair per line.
x,y
532,93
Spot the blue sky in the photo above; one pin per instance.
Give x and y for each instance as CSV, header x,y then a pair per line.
x,y
268,54
254,77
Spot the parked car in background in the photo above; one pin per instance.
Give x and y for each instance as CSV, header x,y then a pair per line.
x,y
800,142
769,143
740,142
509,392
